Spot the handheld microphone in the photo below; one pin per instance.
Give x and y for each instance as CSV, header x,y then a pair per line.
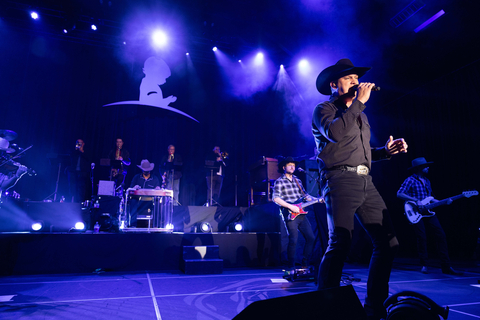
x,y
374,88
92,165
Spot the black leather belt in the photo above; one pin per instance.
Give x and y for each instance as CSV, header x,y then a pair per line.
x,y
361,169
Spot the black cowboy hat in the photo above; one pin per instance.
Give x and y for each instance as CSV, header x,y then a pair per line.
x,y
419,163
342,68
286,160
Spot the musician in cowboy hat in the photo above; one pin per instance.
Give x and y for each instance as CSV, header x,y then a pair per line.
x,y
144,180
342,135
287,190
416,188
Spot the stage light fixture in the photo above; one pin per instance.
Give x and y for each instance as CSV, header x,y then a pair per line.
x,y
94,27
159,38
202,227
236,226
187,54
37,226
80,225
34,15
240,61
281,66
259,58
214,49
169,226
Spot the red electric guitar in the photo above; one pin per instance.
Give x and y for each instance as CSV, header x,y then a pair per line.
x,y
300,204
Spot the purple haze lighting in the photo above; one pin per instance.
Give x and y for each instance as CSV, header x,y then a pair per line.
x,y
214,49
159,38
433,18
34,15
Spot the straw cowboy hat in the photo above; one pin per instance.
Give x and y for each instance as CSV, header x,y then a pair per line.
x,y
145,165
342,68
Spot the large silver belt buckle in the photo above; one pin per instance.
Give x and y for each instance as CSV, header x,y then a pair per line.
x,y
363,170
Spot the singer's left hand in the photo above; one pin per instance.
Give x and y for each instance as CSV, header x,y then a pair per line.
x,y
395,146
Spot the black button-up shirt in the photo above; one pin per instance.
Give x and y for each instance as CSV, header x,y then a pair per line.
x,y
342,135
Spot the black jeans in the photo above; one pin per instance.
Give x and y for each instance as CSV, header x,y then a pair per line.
x,y
433,224
346,194
301,224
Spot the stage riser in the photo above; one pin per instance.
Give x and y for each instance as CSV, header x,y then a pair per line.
x,y
84,253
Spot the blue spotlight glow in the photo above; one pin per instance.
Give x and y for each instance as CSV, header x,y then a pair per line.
x,y
259,58
65,31
34,15
187,54
240,61
281,66
159,38
214,49
94,27
304,66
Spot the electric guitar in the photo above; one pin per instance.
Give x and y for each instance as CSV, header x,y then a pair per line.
x,y
300,204
415,213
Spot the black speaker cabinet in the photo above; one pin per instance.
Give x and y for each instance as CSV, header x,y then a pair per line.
x,y
264,170
339,303
308,178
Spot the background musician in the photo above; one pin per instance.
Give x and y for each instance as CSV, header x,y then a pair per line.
x,y
171,168
144,180
79,172
287,190
9,173
120,160
215,178
416,188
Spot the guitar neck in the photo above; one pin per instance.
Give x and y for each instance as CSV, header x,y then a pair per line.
x,y
443,202
308,203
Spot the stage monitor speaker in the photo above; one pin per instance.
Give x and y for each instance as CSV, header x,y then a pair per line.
x,y
339,303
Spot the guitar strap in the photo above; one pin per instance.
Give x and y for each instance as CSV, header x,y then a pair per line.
x,y
301,189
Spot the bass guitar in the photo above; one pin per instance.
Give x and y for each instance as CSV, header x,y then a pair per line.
x,y
415,212
300,204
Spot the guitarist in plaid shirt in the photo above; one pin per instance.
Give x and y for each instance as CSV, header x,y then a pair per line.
x,y
287,190
416,188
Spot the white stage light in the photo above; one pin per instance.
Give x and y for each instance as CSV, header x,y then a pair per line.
x,y
159,38
94,27
79,225
34,15
37,226
214,49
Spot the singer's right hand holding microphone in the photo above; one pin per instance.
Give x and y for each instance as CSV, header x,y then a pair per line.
x,y
363,91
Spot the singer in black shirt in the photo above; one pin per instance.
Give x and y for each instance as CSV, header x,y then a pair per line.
x,y
342,136
171,170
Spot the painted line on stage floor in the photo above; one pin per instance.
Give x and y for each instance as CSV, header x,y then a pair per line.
x,y
464,313
11,303
142,278
155,304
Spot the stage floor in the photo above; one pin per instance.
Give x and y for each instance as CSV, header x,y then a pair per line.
x,y
172,295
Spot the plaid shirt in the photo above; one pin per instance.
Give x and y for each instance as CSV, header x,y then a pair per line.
x,y
288,190
417,187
